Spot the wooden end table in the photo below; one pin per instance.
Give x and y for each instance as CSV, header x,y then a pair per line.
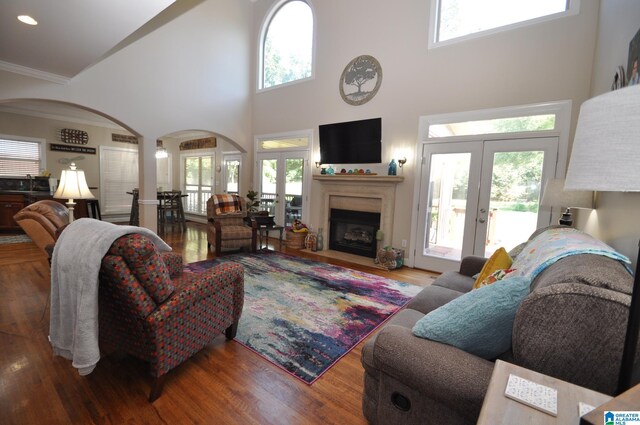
x,y
265,230
498,409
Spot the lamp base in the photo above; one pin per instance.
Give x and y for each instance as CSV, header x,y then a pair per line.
x,y
566,218
71,205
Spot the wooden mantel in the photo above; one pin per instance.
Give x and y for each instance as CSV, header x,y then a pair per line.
x,y
359,178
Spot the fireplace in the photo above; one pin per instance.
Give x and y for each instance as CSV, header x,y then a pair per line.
x,y
353,231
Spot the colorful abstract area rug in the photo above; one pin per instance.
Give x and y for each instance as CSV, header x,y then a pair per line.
x,y
303,315
7,239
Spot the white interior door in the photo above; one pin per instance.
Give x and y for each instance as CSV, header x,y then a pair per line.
x,y
480,195
282,177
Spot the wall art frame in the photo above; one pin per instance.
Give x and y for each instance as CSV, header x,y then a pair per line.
x,y
360,80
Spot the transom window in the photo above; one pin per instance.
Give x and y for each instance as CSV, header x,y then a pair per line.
x,y
287,44
497,125
459,19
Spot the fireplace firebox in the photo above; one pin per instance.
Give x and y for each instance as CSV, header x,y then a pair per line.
x,y
354,232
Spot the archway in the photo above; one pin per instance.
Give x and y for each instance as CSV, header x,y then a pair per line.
x,y
199,163
47,120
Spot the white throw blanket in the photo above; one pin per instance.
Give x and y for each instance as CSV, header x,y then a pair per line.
x,y
77,256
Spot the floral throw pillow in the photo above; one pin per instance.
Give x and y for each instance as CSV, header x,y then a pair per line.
x,y
494,277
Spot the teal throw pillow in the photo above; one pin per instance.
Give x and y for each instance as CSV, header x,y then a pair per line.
x,y
479,322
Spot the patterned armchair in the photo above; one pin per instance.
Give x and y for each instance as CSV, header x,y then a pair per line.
x,y
152,310
226,227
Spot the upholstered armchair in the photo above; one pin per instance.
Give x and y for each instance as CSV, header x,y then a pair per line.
x,y
151,310
41,221
226,228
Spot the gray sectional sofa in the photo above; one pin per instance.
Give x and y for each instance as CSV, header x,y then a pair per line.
x,y
571,326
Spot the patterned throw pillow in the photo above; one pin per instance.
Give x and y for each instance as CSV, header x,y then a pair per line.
x,y
499,260
494,277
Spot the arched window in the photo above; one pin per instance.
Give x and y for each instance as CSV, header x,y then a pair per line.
x,y
286,44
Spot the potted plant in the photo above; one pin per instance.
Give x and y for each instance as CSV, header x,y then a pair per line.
x,y
252,201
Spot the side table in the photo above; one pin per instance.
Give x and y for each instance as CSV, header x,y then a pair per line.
x,y
498,409
265,230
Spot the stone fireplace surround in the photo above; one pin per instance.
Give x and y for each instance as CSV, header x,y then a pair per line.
x,y
360,193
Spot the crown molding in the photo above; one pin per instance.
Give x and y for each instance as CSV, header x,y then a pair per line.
x,y
35,73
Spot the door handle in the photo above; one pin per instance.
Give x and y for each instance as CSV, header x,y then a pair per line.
x,y
482,220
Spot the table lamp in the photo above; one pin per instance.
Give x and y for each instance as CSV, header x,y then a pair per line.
x,y
606,157
555,195
73,185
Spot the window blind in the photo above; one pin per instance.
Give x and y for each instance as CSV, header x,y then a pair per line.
x,y
19,157
118,175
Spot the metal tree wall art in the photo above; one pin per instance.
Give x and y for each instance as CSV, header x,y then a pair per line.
x,y
360,80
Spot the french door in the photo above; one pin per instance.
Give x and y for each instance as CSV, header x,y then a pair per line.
x,y
478,196
282,178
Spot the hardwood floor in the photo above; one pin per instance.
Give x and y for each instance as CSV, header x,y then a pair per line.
x,y
224,383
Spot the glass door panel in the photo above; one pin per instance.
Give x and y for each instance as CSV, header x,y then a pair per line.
x,y
514,200
198,182
293,189
447,205
268,185
231,175
448,184
513,173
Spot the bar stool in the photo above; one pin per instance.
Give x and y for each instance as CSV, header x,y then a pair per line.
x,y
93,209
170,203
133,217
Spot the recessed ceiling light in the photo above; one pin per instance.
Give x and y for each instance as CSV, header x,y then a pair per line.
x,y
27,20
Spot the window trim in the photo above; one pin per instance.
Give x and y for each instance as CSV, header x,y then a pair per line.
x,y
573,9
264,26
42,147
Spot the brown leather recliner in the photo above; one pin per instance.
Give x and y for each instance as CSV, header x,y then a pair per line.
x,y
41,221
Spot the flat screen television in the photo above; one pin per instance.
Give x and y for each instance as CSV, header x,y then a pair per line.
x,y
353,142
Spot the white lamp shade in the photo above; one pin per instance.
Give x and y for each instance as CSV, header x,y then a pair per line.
x,y
73,185
555,195
606,147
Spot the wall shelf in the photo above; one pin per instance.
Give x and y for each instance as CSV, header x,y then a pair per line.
x,y
359,178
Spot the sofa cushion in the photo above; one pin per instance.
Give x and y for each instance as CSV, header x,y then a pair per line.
x,y
479,322
499,260
589,269
454,280
433,297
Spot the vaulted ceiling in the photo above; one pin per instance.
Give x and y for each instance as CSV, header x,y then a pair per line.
x,y
70,37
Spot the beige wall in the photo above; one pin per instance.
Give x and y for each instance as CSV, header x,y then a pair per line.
x,y
616,212
539,63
